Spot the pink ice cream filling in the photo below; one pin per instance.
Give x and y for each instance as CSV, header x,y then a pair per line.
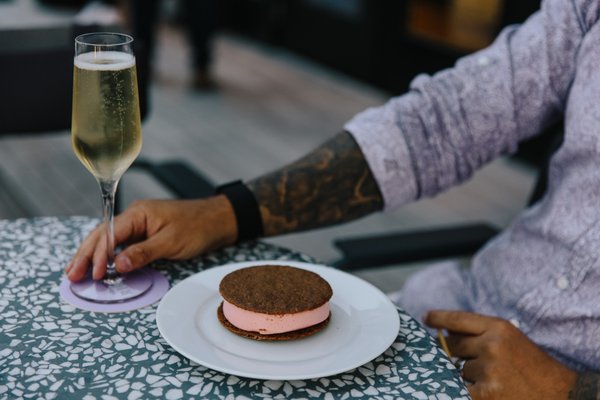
x,y
270,324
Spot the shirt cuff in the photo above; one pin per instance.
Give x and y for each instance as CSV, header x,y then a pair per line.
x,y
382,142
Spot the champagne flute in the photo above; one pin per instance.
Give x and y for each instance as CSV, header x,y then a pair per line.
x,y
107,137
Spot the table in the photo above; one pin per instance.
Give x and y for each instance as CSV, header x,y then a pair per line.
x,y
49,349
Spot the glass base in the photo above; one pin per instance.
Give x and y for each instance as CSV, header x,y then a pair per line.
x,y
123,288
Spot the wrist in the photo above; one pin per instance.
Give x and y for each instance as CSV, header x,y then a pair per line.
x,y
222,220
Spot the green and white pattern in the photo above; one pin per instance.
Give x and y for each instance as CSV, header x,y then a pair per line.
x,y
51,350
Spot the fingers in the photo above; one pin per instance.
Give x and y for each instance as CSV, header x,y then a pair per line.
x,y
478,385
130,225
140,254
77,268
100,258
91,253
464,347
473,370
475,391
458,321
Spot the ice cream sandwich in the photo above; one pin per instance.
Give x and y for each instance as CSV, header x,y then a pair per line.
x,y
274,302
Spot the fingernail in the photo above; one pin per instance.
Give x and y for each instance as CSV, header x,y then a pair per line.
x,y
124,264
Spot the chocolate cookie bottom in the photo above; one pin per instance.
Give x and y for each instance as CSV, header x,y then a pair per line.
x,y
298,334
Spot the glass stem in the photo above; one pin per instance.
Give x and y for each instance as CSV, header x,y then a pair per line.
x,y
109,188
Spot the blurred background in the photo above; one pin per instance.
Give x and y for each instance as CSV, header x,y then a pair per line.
x,y
237,88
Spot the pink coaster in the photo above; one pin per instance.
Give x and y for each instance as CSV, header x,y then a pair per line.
x,y
156,292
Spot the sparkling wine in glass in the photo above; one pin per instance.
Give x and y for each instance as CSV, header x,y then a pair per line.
x,y
107,137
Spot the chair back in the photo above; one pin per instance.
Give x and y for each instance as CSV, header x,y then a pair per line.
x,y
37,87
36,91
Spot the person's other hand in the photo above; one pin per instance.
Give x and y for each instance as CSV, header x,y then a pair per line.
x,y
153,229
501,362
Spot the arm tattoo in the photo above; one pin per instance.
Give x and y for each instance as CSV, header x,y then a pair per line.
x,y
330,185
587,387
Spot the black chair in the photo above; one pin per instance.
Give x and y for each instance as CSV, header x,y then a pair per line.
x,y
179,177
30,100
37,83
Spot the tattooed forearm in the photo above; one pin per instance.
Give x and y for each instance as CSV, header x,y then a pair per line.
x,y
587,387
332,184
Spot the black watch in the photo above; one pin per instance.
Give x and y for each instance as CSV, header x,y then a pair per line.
x,y
245,207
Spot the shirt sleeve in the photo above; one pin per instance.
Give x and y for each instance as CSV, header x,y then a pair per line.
x,y
450,124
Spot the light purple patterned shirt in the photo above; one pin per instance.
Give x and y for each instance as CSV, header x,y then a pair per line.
x,y
543,271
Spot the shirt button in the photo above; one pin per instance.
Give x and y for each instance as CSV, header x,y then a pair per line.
x,y
515,322
562,283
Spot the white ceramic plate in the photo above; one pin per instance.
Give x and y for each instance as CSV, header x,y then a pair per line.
x,y
364,323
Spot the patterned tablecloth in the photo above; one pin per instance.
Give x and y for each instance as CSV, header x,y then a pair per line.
x,y
50,350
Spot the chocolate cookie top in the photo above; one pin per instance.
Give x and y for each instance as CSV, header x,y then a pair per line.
x,y
275,289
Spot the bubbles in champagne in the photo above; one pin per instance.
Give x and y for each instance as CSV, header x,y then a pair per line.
x,y
106,128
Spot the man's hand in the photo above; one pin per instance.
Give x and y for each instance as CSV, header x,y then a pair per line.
x,y
153,229
501,362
